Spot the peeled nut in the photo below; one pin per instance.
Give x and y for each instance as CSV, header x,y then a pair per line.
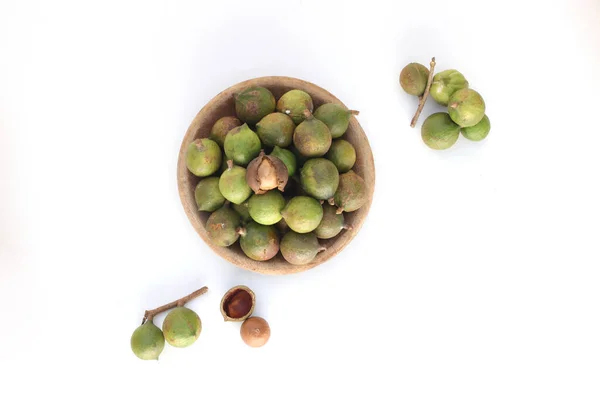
x,y
255,332
238,303
265,173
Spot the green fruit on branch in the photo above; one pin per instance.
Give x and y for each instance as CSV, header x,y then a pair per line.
x,y
233,185
342,154
300,248
243,210
439,132
319,178
147,341
259,242
413,79
242,145
444,85
207,194
302,214
287,157
351,193
466,107
266,208
265,173
222,127
336,117
477,132
331,224
293,103
253,104
223,226
312,137
181,327
276,129
203,157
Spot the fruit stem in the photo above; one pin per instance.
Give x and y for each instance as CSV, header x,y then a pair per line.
x,y
423,98
307,114
229,164
150,314
348,227
353,112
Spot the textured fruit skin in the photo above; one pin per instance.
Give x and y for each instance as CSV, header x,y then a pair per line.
x,y
221,127
439,132
207,194
342,154
319,178
253,104
477,132
352,192
335,117
242,145
266,208
303,214
299,248
287,157
181,327
203,157
260,242
147,341
233,185
466,107
266,172
312,138
242,210
222,227
413,78
444,85
276,129
255,331
331,224
293,103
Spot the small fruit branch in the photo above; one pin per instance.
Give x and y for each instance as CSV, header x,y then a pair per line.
x,y
150,314
423,98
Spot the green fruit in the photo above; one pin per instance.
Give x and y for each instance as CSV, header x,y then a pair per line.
x,y
342,154
266,208
287,157
147,341
182,327
466,107
203,157
444,85
300,248
276,129
252,104
293,103
302,214
351,193
478,132
242,209
312,137
233,185
335,117
242,145
319,178
207,194
223,226
331,224
259,242
221,127
413,79
439,132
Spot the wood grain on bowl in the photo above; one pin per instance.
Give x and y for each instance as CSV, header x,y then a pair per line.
x,y
223,105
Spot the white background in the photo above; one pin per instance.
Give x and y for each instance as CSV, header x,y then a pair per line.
x,y
476,275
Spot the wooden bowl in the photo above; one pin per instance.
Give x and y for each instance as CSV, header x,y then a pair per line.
x,y
223,105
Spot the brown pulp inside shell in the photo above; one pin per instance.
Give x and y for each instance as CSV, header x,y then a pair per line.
x,y
237,304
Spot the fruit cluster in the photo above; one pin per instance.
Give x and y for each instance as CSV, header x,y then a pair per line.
x,y
257,197
465,106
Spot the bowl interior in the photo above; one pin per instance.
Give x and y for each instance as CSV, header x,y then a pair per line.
x,y
223,105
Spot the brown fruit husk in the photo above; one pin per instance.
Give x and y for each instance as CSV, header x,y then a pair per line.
x,y
232,292
265,173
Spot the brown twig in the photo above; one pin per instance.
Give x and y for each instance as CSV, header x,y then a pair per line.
x,y
423,98
149,314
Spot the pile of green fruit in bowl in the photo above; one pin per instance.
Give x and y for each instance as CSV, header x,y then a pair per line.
x,y
276,175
